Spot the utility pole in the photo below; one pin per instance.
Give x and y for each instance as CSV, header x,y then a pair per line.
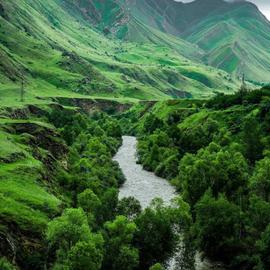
x,y
22,90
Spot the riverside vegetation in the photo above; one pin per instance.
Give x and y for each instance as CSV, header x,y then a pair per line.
x,y
60,205
77,75
60,193
59,185
216,153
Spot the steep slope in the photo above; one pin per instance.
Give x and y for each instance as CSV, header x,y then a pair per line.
x,y
117,18
170,16
60,52
234,36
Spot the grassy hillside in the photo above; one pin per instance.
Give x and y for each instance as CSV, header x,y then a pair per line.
x,y
236,40
231,36
31,153
62,54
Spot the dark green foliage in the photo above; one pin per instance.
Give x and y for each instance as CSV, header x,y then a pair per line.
x,y
260,181
218,157
90,203
157,266
76,246
85,255
193,139
222,170
157,233
258,214
252,139
93,141
218,227
264,248
129,207
5,265
71,124
222,101
162,150
120,255
152,123
155,150
109,201
92,182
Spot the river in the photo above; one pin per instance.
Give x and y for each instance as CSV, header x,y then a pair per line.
x,y
145,186
141,184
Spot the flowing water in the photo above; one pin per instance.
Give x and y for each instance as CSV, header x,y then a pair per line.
x,y
145,186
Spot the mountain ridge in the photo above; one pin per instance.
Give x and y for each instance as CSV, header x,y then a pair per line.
x,y
62,53
193,22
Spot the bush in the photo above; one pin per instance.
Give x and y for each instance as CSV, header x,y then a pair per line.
x,y
6,265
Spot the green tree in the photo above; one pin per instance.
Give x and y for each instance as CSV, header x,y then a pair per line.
x,y
113,128
108,208
264,249
157,236
252,136
120,254
223,170
258,214
197,136
91,204
260,180
129,207
218,227
68,229
89,201
152,123
157,266
6,265
69,235
86,255
96,148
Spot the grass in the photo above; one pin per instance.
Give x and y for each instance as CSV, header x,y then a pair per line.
x,y
235,41
24,199
66,57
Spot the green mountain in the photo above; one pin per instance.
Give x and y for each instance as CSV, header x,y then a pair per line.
x,y
234,36
63,49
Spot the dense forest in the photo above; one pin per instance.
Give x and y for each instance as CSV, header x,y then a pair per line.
x,y
90,228
216,153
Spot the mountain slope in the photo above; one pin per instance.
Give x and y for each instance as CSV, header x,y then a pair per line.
x,y
60,52
233,36
236,38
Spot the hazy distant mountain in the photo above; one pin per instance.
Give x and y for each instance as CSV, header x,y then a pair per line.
x,y
234,36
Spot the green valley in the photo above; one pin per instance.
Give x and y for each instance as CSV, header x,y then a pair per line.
x,y
134,135
63,55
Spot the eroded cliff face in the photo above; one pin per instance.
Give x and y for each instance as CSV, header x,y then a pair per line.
x,y
92,105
